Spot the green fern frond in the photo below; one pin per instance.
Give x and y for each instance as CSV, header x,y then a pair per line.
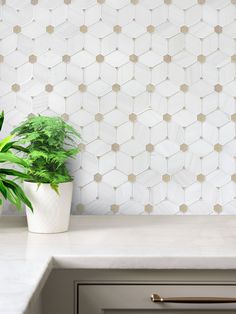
x,y
49,143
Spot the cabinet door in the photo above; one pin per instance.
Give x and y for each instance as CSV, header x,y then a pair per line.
x,y
135,299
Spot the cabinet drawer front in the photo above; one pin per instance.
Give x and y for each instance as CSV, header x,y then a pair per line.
x,y
136,299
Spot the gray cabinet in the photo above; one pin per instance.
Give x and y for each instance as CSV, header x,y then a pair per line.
x,y
102,291
135,299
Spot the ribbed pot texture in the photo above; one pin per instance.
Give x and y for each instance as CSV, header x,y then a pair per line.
x,y
51,210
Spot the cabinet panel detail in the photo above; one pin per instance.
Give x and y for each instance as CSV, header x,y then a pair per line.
x,y
136,299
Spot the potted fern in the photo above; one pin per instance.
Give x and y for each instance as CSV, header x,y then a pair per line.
x,y
9,189
48,142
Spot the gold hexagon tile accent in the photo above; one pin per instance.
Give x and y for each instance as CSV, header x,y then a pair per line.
x,y
218,147
167,117
151,28
31,115
98,117
167,2
16,29
1,59
65,117
201,1
218,208
82,88
132,117
132,177
83,29
67,2
218,29
115,208
233,1
150,88
166,178
15,88
133,58
201,58
99,58
148,208
134,2
233,177
117,29
218,88
167,58
32,59
116,88
80,208
66,58
233,117
115,147
49,29
233,58
184,88
200,178
183,208
34,2
149,148
49,88
97,177
183,147
81,147
201,117
184,29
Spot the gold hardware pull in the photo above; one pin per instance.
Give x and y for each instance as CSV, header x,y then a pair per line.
x,y
200,300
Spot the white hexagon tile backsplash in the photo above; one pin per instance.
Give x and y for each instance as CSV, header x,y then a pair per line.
x,y
151,86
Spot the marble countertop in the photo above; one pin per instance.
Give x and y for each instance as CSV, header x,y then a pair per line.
x,y
149,242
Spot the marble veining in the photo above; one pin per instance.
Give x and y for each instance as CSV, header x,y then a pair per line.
x,y
26,259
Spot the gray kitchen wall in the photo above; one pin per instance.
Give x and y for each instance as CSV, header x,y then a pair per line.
x,y
150,84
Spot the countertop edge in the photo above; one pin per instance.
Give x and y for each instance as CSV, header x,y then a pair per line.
x,y
202,236
39,286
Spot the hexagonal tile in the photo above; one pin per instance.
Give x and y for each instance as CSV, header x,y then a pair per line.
x,y
115,118
132,148
167,148
114,178
133,30
16,59
184,118
133,88
150,59
99,88
65,88
98,148
81,118
83,58
200,148
149,118
100,30
116,58
167,30
167,88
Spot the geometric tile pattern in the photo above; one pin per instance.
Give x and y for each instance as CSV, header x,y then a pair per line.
x,y
151,86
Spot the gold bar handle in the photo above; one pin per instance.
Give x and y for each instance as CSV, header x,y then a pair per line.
x,y
199,300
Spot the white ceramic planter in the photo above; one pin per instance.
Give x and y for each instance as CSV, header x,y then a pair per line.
x,y
51,211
